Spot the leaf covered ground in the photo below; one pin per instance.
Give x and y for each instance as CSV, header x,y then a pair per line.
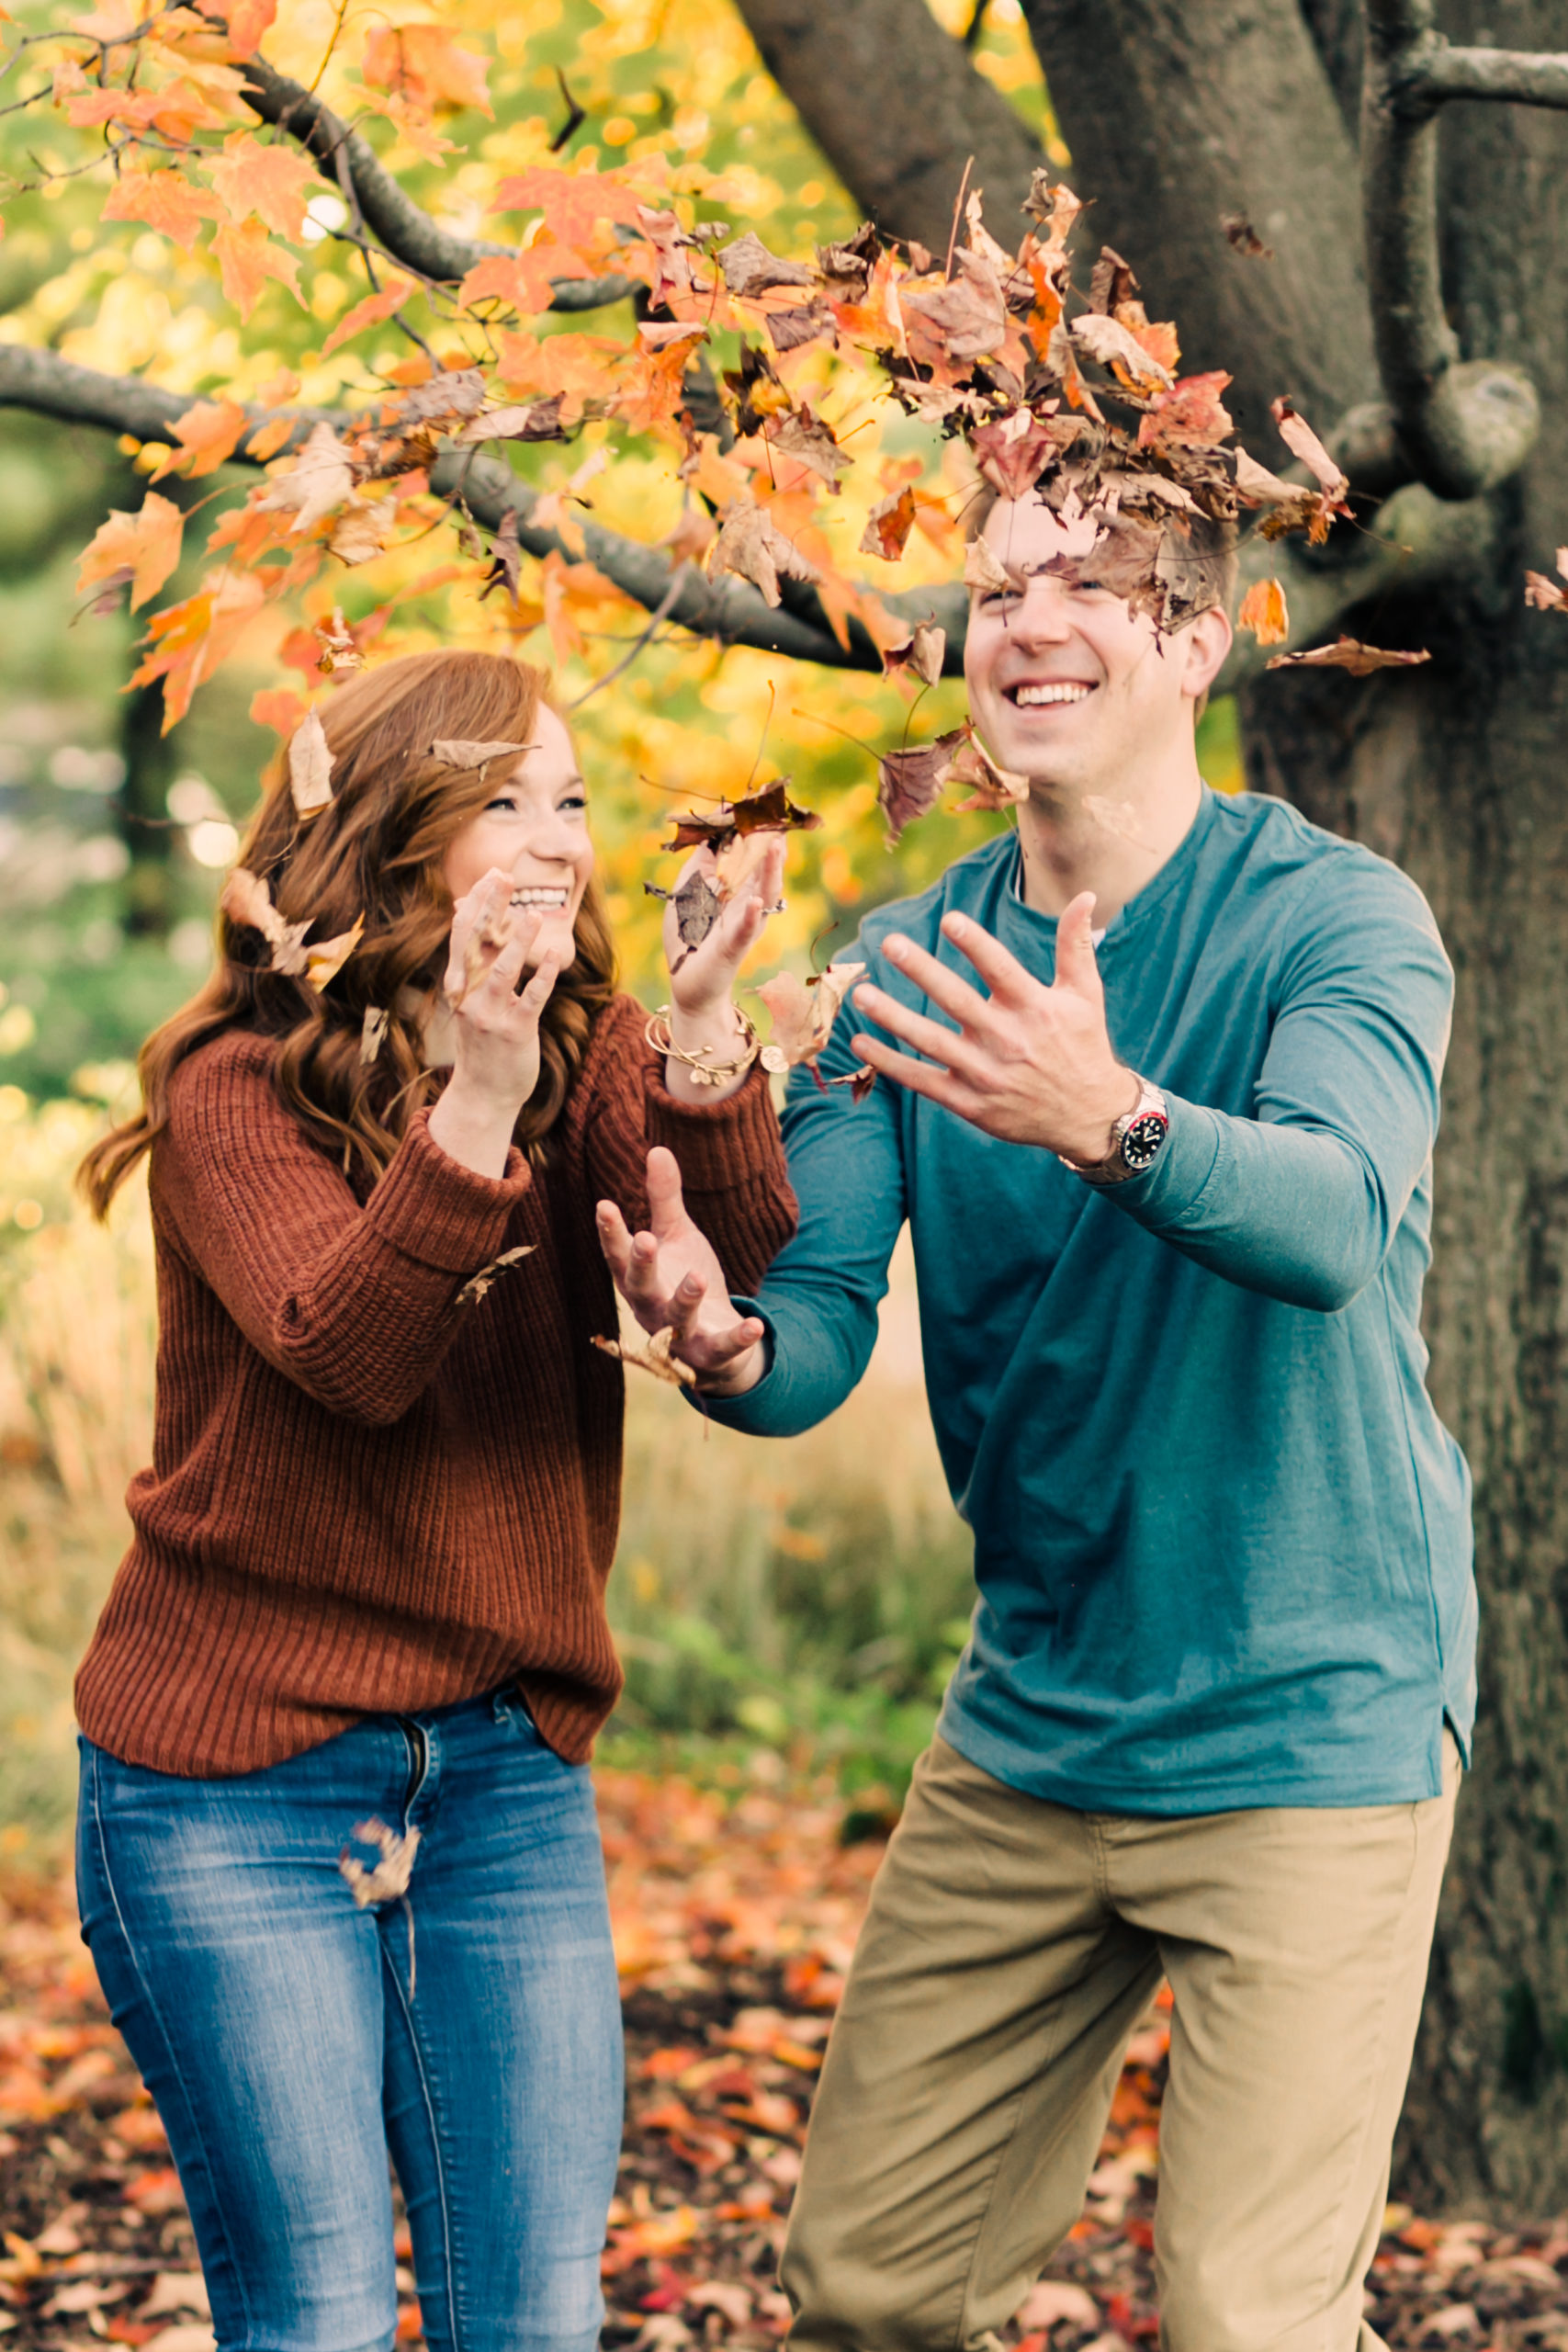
x,y
736,1914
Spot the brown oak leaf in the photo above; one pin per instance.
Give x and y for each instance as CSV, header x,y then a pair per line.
x,y
751,270
846,269
751,543
923,654
1346,653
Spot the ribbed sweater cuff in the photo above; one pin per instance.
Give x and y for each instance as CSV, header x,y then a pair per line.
x,y
439,1212
720,1146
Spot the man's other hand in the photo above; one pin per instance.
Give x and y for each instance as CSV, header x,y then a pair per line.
x,y
1028,1063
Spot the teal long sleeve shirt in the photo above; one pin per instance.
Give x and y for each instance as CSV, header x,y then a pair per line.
x,y
1221,1540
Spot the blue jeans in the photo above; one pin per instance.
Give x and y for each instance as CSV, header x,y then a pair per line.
x,y
290,2038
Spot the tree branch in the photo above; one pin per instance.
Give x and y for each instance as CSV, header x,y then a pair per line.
x,y
403,228
1467,426
1518,76
895,105
725,608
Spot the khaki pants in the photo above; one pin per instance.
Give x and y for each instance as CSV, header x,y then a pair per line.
x,y
1010,1948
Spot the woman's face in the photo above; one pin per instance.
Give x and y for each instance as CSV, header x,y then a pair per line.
x,y
534,827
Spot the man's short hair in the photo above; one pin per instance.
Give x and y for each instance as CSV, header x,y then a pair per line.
x,y
1199,557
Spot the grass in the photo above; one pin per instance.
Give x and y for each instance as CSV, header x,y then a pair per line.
x,y
794,1606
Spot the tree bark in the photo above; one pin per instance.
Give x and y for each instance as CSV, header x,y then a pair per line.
x,y
897,106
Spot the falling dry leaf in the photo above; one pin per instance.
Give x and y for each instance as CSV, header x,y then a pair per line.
x,y
888,526
1116,347
1346,653
392,1875
1191,415
805,438
690,537
653,1356
787,330
1245,237
769,810
964,320
310,766
479,1284
908,783
803,1012
923,654
363,530
325,961
751,544
316,480
372,1033
991,786
1013,454
457,751
523,421
340,648
506,559
751,270
245,898
983,570
454,391
1263,611
1259,487
697,907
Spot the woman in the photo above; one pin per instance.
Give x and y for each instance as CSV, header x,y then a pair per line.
x,y
337,1858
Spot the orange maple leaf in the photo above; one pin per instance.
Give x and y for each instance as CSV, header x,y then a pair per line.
x,y
192,638
247,257
1263,612
423,62
146,545
575,365
279,707
207,435
268,181
166,201
248,21
572,202
369,312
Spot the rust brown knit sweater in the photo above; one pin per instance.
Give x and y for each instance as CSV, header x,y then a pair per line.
x,y
364,1494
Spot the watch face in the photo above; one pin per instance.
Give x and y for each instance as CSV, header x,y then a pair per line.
x,y
1140,1145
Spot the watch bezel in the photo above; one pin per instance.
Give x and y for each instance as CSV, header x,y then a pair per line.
x,y
1143,1140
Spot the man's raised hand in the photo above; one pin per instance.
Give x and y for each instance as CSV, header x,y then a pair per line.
x,y
671,1278
1028,1063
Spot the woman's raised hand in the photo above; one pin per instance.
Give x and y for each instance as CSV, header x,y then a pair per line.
x,y
702,979
495,1028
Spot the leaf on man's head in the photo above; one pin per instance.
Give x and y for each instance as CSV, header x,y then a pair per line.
x,y
310,766
751,543
888,526
1117,347
652,1355
923,654
1191,415
751,270
246,899
1263,611
1013,453
325,961
1346,653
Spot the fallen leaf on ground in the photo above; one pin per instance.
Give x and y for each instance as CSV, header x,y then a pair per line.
x,y
1348,653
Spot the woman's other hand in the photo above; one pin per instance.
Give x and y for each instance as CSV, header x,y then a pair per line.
x,y
671,1278
494,1029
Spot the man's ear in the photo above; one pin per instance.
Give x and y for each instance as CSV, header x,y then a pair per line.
x,y
1208,640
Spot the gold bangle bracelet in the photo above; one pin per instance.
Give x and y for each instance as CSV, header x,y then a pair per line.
x,y
706,1072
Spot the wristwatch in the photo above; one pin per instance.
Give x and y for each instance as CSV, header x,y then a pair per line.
x,y
1136,1140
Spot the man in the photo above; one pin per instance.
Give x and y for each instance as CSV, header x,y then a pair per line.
x,y
1170,1204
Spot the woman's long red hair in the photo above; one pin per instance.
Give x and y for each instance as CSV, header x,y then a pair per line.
x,y
378,850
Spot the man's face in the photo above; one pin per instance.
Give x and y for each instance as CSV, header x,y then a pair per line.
x,y
1066,685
